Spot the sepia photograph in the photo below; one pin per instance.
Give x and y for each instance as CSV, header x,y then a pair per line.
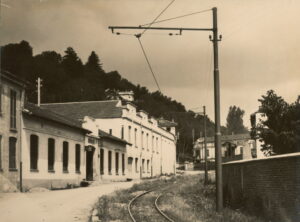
x,y
149,111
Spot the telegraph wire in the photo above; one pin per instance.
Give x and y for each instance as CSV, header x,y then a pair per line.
x,y
177,17
158,16
148,62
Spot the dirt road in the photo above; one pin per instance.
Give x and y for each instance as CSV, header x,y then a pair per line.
x,y
55,206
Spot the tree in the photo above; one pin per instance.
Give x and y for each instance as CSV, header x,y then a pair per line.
x,y
235,121
72,64
93,64
280,127
66,79
17,59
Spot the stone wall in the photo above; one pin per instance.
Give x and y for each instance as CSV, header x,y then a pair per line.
x,y
268,187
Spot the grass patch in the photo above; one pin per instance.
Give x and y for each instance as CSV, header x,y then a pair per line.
x,y
186,200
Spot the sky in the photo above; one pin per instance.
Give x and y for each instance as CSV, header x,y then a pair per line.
x,y
259,50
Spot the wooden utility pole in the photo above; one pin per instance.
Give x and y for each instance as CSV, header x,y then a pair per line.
x,y
205,149
39,85
215,40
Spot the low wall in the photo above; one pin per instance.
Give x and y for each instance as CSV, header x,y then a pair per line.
x,y
268,187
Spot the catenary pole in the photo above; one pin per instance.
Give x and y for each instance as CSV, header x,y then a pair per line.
x,y
218,153
215,40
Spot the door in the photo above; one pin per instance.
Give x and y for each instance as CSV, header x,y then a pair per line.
x,y
89,164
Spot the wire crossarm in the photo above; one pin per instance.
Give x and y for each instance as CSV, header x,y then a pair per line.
x,y
112,28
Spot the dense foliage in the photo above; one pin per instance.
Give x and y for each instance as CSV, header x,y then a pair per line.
x,y
279,130
67,78
235,121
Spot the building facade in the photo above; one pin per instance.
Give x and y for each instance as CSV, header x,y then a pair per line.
x,y
151,144
11,103
234,147
109,154
53,149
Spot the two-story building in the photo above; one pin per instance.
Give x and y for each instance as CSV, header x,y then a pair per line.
x,y
151,144
11,102
234,147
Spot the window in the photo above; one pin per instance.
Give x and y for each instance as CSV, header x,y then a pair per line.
x,y
148,161
13,109
129,134
142,139
122,132
77,158
143,165
135,132
110,131
117,163
101,161
123,163
34,152
0,101
0,150
152,144
51,154
109,162
136,165
12,153
65,156
147,141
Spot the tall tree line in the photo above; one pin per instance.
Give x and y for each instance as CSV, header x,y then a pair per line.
x,y
67,78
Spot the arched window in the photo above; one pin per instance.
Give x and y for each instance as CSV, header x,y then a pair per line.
x,y
0,142
117,163
51,154
12,153
77,158
109,162
123,163
101,161
65,156
34,152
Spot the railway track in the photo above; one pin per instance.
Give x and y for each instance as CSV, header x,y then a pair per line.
x,y
153,211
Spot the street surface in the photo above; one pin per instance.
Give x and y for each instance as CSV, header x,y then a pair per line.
x,y
72,205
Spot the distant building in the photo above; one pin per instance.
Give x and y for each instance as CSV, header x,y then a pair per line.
x,y
151,143
127,96
11,103
256,119
234,147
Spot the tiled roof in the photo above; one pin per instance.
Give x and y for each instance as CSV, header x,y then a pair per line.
x,y
166,123
109,136
95,109
32,109
225,138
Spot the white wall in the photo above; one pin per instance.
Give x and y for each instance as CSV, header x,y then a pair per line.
x,y
45,130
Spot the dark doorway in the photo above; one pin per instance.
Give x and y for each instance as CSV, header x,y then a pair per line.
x,y
89,163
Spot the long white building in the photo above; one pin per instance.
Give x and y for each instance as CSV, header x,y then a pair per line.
x,y
151,147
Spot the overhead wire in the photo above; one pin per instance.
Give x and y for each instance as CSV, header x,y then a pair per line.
x,y
138,36
158,16
177,17
149,65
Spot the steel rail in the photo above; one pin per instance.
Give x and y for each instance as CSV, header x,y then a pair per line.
x,y
160,211
132,200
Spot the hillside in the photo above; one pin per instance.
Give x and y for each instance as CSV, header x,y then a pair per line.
x,y
66,78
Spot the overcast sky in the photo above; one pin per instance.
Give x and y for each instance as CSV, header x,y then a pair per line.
x,y
260,49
